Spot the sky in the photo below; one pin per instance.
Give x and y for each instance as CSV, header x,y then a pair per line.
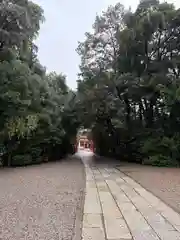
x,y
65,25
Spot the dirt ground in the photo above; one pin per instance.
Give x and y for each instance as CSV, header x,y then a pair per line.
x,y
162,182
42,202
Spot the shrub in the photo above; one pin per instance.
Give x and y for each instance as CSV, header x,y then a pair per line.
x,y
160,161
21,160
162,151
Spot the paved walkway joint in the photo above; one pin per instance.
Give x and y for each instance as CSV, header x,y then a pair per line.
x,y
118,208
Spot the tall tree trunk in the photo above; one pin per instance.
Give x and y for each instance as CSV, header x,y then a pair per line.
x,y
128,113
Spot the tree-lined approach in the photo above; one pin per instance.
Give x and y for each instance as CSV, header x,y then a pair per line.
x,y
128,88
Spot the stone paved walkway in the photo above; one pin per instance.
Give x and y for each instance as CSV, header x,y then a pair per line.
x,y
118,208
164,183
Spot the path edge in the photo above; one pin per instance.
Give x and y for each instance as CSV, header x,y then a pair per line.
x,y
78,224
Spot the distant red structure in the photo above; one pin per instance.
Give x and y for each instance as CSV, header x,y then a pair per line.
x,y
83,143
92,146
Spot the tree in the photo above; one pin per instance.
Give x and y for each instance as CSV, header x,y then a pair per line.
x,y
20,21
132,90
37,118
100,49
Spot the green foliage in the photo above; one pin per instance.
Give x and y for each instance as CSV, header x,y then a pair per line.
x,y
160,160
128,87
162,150
19,160
37,114
21,127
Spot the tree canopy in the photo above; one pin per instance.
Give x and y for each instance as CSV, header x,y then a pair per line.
x,y
128,90
128,84
36,108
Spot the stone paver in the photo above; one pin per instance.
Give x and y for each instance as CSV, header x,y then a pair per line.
x,y
162,182
121,209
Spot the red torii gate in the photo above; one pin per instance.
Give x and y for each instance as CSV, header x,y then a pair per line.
x,y
84,142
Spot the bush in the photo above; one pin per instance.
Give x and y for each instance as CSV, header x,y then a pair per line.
x,y
36,154
160,161
162,151
21,160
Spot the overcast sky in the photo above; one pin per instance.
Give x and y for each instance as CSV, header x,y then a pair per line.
x,y
65,25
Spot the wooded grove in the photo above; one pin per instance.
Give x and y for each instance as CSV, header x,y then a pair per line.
x,y
129,83
36,108
128,90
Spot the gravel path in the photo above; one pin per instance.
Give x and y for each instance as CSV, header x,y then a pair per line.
x,y
162,182
42,202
